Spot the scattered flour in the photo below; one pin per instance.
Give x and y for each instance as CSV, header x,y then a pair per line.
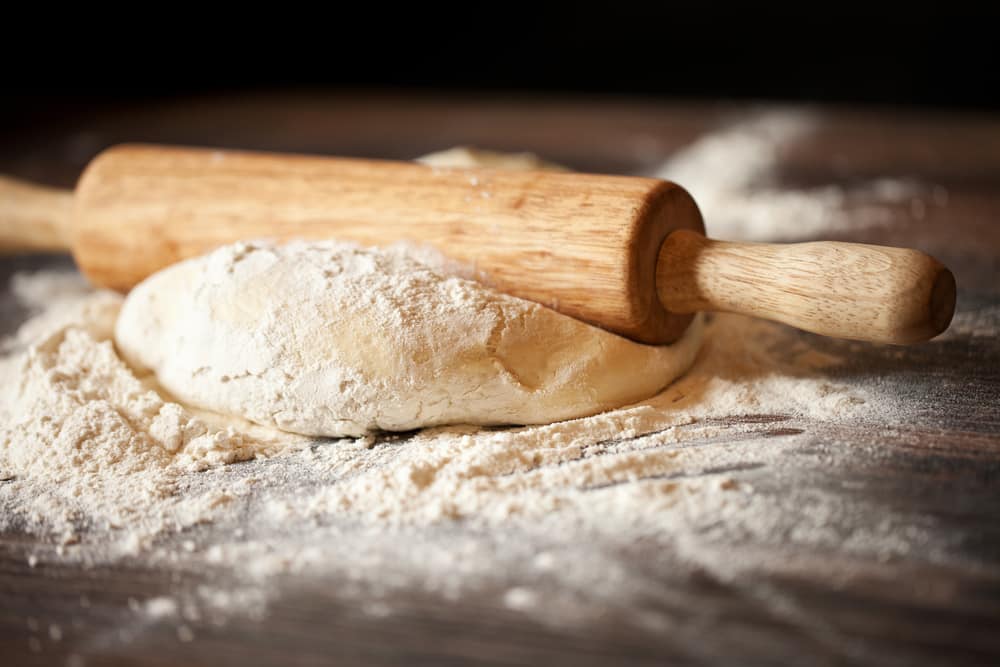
x,y
733,173
102,464
88,436
463,156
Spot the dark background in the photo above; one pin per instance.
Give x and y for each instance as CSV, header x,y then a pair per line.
x,y
940,55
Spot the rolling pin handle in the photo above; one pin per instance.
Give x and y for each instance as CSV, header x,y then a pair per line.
x,y
34,218
847,290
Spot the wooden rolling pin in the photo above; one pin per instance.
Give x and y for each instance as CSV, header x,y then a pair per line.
x,y
624,253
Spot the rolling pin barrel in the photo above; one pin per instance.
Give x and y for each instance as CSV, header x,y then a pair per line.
x,y
584,244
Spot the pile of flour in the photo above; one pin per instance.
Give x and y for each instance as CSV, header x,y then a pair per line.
x,y
90,437
103,465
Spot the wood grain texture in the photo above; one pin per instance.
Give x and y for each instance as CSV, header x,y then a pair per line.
x,y
845,290
828,602
34,218
583,244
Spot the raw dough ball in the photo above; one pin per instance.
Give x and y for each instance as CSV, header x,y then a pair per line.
x,y
328,339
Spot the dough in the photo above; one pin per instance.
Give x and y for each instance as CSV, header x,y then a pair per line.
x,y
328,339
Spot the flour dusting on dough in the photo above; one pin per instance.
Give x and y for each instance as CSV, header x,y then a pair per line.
x,y
327,338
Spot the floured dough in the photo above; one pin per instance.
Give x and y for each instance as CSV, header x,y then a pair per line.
x,y
326,338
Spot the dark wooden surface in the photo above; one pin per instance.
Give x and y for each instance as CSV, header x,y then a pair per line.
x,y
939,471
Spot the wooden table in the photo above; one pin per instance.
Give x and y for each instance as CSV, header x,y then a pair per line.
x,y
940,472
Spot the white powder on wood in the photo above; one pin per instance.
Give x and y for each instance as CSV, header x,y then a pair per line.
x,y
102,465
87,435
382,515
733,174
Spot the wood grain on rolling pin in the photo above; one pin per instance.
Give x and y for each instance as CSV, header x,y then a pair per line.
x,y
848,290
588,243
623,253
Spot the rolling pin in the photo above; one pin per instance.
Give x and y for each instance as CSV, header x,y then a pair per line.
x,y
625,253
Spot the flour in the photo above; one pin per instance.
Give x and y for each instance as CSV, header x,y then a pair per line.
x,y
450,510
102,465
82,429
463,156
733,175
